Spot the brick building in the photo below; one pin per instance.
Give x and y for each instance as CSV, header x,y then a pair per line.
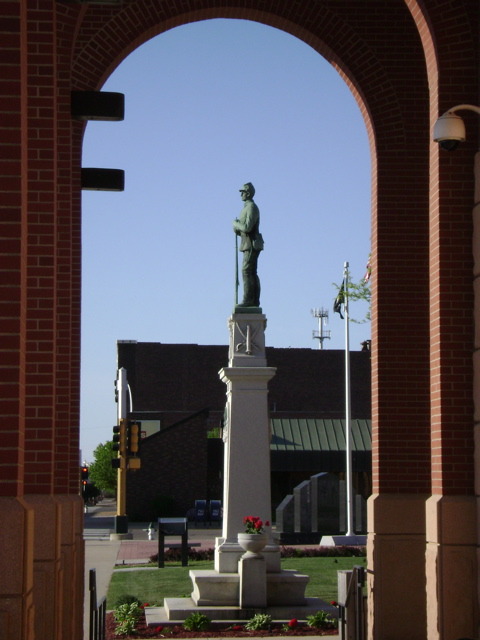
x,y
406,62
177,394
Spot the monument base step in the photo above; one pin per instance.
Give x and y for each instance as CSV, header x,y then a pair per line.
x,y
284,588
176,610
355,540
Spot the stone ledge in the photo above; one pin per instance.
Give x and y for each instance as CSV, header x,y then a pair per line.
x,y
178,609
211,588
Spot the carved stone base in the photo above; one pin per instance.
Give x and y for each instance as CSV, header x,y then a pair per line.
x,y
210,588
241,309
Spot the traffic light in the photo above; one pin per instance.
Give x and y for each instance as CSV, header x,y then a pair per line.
x,y
119,438
84,475
116,438
133,438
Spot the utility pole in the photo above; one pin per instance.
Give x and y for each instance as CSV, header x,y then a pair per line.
x,y
321,334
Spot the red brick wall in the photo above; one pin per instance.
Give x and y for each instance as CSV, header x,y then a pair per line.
x,y
405,61
176,380
386,70
12,247
67,46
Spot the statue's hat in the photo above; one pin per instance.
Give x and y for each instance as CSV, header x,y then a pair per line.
x,y
248,186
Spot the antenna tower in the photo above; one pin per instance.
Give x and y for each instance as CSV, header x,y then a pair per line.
x,y
321,334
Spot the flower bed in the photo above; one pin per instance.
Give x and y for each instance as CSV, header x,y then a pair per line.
x,y
175,555
216,630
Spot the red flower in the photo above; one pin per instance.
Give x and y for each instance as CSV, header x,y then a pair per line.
x,y
145,604
253,524
237,627
334,603
159,629
267,523
293,623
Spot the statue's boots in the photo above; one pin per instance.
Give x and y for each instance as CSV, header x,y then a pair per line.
x,y
251,291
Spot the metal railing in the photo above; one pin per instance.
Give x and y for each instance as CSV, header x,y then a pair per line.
x,y
98,610
352,611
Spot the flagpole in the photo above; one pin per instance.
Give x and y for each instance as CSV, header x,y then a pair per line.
x,y
348,428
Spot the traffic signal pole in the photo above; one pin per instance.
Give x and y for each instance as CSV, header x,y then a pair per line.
x,y
121,519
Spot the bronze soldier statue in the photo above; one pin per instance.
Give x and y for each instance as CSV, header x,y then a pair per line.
x,y
247,226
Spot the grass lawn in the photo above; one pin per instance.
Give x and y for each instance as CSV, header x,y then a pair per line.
x,y
153,585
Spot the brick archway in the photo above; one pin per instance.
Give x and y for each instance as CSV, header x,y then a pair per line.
x,y
402,59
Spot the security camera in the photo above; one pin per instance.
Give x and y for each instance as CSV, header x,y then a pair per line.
x,y
449,131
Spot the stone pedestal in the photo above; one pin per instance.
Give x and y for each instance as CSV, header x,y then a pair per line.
x,y
239,585
247,439
253,581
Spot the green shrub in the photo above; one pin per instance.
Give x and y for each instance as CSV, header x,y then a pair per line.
x,y
172,555
258,622
196,622
126,598
321,620
126,616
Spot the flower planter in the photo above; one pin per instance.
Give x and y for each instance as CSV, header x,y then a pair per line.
x,y
252,543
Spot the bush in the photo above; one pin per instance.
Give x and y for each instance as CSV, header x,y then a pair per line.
x,y
126,598
126,616
321,620
196,622
175,555
323,552
259,622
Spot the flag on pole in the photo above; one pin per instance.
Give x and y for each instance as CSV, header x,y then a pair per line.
x,y
340,300
368,273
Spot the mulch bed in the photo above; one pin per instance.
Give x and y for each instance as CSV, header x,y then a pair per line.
x,y
216,631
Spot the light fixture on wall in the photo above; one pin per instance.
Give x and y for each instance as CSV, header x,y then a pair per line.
x,y
98,105
94,179
449,129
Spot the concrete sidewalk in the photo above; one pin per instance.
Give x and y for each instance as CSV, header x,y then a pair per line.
x,y
103,554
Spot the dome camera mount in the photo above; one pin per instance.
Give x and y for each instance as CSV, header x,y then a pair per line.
x,y
449,129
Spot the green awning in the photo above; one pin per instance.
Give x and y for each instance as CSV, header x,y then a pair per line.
x,y
310,434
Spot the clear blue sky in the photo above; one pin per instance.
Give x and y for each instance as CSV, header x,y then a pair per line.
x,y
210,106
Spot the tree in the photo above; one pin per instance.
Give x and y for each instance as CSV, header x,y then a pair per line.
x,y
360,291
101,472
356,291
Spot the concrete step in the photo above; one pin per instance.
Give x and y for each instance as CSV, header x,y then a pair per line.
x,y
178,609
